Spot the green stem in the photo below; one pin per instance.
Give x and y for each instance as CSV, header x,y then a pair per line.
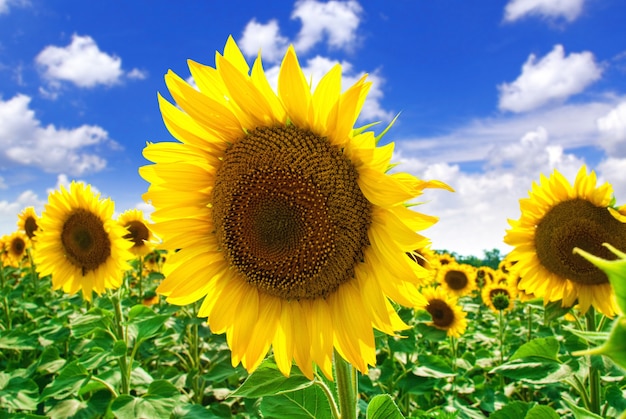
x,y
121,335
501,327
345,376
594,373
7,309
107,385
195,353
140,277
530,322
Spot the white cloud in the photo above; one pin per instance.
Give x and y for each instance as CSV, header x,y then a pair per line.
x,y
10,209
552,78
474,217
567,9
6,4
83,64
612,127
24,141
265,37
570,126
137,74
335,20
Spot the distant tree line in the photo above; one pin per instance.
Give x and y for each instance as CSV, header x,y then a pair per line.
x,y
492,258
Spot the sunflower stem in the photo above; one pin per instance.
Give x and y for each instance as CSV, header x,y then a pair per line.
x,y
121,335
195,353
594,373
329,395
140,277
345,376
530,322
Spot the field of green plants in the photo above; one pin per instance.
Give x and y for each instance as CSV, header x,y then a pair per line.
x,y
129,354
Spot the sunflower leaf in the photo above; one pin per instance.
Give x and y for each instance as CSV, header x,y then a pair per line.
x,y
158,402
308,402
383,406
267,380
543,348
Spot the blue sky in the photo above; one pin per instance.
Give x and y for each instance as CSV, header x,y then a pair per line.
x,y
489,95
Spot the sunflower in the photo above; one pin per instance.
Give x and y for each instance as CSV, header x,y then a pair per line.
x,y
445,311
458,279
484,275
443,259
556,218
79,244
16,246
28,222
499,296
138,231
283,214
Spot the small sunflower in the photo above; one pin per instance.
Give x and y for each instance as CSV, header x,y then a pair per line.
x,y
79,244
444,259
138,231
556,218
16,246
445,311
458,279
484,275
28,222
285,219
499,296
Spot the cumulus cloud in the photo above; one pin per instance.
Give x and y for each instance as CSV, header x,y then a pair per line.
x,y
24,141
566,9
264,37
83,64
612,128
5,5
335,20
552,78
474,217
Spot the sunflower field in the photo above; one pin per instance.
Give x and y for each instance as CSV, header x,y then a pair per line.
x,y
286,272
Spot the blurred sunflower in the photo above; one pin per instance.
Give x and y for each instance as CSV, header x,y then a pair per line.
x,y
138,232
458,279
284,217
445,311
499,296
27,221
16,246
79,244
484,275
556,218
444,259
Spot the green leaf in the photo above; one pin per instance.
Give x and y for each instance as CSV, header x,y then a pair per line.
x,y
580,412
50,361
615,345
519,370
543,348
18,393
513,410
553,310
542,412
383,407
145,322
76,409
17,340
69,381
433,366
309,402
267,380
616,398
85,324
158,402
195,411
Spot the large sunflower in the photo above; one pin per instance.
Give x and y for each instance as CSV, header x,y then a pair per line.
x,y
556,218
79,244
138,231
282,213
445,311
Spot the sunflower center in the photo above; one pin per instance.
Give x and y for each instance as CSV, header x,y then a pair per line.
x,y
138,233
30,226
577,223
17,246
86,243
289,213
441,313
456,280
